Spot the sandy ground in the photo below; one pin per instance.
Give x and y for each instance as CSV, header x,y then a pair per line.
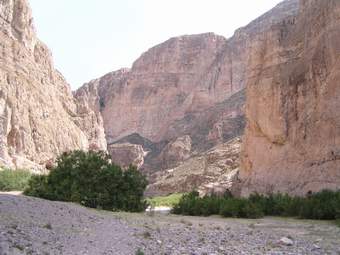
x,y
34,226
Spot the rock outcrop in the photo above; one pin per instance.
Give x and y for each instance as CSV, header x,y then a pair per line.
x,y
175,152
213,171
126,154
292,138
39,117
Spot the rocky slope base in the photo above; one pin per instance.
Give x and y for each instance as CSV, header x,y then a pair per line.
x,y
213,171
292,138
39,117
64,228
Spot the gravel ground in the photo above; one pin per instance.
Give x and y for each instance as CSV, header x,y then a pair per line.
x,y
34,226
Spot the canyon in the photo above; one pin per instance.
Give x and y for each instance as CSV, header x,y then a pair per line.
x,y
255,112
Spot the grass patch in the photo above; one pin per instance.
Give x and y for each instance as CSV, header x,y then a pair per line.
x,y
14,180
169,201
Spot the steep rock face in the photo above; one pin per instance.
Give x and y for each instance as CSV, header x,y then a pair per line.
x,y
126,154
190,85
166,82
176,152
292,138
38,115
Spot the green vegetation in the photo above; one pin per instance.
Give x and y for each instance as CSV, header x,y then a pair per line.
x,y
90,179
324,205
169,201
14,180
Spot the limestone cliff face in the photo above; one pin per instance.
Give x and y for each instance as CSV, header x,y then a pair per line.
x,y
39,117
292,138
164,84
189,86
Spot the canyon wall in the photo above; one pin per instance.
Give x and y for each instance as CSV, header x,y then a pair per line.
x,y
181,103
39,117
292,139
189,86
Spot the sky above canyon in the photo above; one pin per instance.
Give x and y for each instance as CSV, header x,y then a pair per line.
x,y
89,38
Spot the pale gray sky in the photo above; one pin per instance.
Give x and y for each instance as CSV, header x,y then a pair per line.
x,y
89,38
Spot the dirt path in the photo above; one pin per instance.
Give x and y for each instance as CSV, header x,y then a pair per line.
x,y
35,226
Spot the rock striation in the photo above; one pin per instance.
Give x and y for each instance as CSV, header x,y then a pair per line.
x,y
213,171
126,154
177,112
191,86
39,117
163,85
292,138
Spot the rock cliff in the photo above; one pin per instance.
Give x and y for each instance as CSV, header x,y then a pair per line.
x,y
292,138
181,103
39,117
184,96
213,171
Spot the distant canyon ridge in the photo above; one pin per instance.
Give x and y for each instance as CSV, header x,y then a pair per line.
x,y
255,112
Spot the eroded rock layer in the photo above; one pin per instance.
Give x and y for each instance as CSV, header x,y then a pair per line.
x,y
39,117
292,138
182,98
213,171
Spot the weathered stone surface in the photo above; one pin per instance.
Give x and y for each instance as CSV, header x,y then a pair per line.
x,y
212,171
182,101
39,117
125,154
165,83
189,86
292,138
176,152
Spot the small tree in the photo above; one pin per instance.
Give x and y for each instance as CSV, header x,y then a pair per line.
x,y
90,179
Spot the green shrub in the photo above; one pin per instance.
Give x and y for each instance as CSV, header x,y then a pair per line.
x,y
14,180
90,179
240,208
322,205
187,204
37,186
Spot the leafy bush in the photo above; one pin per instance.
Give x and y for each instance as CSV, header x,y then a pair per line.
x,y
322,205
241,208
227,206
90,179
11,180
37,186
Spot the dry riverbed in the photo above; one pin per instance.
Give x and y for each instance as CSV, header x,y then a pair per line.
x,y
34,226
